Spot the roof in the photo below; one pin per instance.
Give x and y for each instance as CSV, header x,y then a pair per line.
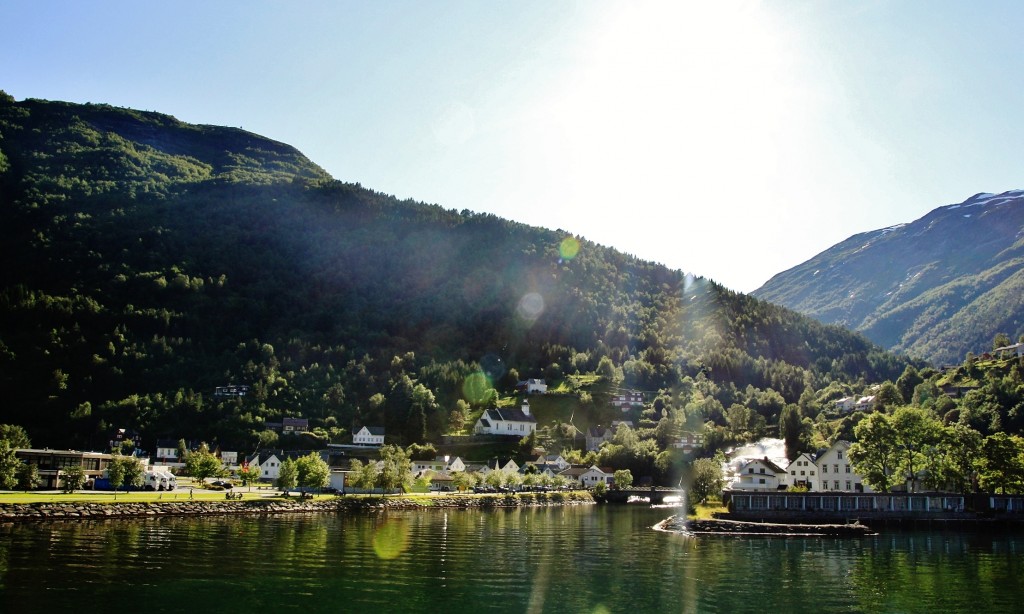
x,y
295,422
508,414
374,430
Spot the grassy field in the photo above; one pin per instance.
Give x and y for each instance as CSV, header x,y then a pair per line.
x,y
705,510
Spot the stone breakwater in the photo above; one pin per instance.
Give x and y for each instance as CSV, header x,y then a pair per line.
x,y
737,527
75,511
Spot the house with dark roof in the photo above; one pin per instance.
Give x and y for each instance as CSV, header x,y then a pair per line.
x,y
507,421
596,435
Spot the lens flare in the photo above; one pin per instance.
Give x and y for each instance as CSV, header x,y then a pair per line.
x,y
569,248
530,306
476,387
493,366
390,539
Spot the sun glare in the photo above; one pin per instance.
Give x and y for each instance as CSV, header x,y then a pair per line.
x,y
674,103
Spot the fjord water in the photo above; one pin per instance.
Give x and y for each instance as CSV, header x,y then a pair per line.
x,y
572,559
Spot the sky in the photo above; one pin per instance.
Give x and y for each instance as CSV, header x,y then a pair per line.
x,y
728,139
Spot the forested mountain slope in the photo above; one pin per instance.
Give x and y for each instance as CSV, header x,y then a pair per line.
x,y
936,288
147,261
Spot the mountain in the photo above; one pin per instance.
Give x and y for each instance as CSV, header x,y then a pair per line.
x,y
935,288
148,262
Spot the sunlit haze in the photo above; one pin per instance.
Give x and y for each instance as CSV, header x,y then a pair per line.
x,y
732,140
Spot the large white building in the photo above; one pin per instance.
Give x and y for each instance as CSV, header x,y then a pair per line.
x,y
828,470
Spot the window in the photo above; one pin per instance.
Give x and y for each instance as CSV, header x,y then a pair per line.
x,y
801,473
750,470
839,455
835,468
836,484
761,481
848,485
793,472
761,471
812,471
847,469
824,468
824,485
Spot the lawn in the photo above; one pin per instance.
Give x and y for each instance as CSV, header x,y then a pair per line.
x,y
705,510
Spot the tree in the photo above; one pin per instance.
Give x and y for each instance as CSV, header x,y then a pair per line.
x,y
906,383
705,479
312,471
961,451
1002,462
888,396
874,454
791,430
250,473
395,470
28,477
15,436
287,476
182,450
74,478
623,479
462,480
914,430
363,476
9,464
124,471
421,451
202,464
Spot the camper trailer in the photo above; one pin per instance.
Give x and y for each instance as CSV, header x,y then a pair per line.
x,y
159,479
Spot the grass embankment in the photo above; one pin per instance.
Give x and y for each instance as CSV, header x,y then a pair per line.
x,y
705,511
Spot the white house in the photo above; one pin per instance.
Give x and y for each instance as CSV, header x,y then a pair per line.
x,y
533,386
688,441
555,460
506,421
269,464
369,436
454,465
167,451
835,472
504,465
803,472
1017,349
628,400
760,474
594,475
845,405
865,403
436,465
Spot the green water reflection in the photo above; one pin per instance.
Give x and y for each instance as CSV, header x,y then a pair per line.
x,y
582,559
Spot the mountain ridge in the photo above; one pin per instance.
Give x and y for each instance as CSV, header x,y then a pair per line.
x,y
935,288
149,261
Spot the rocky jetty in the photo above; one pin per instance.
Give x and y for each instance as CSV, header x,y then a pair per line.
x,y
739,527
43,512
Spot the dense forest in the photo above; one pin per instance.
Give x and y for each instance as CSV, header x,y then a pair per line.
x,y
148,261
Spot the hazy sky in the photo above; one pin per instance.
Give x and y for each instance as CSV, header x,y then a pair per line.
x,y
732,140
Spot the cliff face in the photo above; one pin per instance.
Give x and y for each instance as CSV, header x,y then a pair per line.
x,y
935,288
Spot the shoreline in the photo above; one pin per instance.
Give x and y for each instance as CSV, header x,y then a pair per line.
x,y
12,513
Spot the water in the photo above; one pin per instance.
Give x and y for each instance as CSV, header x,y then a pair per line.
x,y
574,559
